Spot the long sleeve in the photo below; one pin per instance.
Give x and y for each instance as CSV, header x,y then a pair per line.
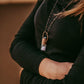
x,y
23,48
75,75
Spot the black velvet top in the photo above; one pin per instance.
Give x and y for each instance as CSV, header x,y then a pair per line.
x,y
64,44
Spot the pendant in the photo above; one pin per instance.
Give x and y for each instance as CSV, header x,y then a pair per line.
x,y
43,44
44,41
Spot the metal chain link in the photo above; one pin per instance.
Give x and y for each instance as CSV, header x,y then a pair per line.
x,y
46,27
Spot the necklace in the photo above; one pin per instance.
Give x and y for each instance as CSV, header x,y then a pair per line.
x,y
47,28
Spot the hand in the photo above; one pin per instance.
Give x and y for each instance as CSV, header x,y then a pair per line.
x,y
54,70
64,67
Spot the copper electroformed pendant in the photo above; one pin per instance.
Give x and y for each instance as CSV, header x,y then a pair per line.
x,y
47,28
44,41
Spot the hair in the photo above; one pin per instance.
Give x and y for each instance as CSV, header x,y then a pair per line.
x,y
76,10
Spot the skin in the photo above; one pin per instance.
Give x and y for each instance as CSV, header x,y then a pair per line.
x,y
54,70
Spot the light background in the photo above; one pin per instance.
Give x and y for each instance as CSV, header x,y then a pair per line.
x,y
12,15
16,1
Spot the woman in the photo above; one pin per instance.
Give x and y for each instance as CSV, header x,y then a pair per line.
x,y
50,41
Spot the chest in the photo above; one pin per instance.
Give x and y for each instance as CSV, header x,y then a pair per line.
x,y
63,34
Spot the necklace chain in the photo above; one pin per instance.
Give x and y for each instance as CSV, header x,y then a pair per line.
x,y
45,33
55,16
46,27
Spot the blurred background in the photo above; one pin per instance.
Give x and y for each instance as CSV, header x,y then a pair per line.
x,y
12,14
